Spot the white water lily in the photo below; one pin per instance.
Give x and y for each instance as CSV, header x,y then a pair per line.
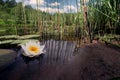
x,y
32,48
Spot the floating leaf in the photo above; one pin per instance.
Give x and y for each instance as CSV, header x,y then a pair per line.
x,y
6,42
9,37
29,36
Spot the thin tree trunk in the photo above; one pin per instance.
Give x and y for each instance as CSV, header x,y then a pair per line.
x,y
84,17
38,19
24,16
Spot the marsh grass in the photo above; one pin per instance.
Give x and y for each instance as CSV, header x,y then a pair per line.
x,y
92,18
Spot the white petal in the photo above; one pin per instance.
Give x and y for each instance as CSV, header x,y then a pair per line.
x,y
26,53
42,47
27,45
32,53
38,43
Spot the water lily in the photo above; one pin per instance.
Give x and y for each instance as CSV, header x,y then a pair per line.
x,y
32,48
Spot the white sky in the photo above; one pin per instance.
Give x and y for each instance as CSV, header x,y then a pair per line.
x,y
52,6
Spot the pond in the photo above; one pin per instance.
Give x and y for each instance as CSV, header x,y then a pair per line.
x,y
62,61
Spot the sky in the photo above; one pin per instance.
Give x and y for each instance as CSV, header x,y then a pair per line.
x,y
53,6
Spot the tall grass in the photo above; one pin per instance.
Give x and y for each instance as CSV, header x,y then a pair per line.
x,y
92,18
103,16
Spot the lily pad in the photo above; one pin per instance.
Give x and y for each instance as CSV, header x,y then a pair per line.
x,y
9,37
6,56
6,42
29,36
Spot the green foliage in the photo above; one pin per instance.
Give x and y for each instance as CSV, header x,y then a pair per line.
x,y
1,2
2,23
111,39
104,15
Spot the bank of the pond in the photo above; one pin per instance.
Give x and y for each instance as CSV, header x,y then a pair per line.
x,y
6,57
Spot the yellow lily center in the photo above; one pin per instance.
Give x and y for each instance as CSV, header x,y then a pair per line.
x,y
34,49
